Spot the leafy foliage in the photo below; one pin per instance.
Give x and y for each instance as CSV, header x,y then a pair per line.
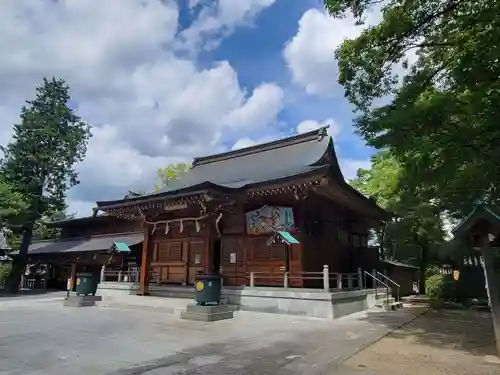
x,y
39,161
416,232
436,63
4,274
168,175
442,288
12,203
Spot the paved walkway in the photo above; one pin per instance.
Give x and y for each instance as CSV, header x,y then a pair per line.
x,y
39,336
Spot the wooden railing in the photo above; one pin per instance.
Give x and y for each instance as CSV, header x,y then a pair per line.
x,y
131,275
328,281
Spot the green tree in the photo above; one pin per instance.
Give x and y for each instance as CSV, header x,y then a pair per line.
x,y
168,175
39,161
424,82
416,233
42,231
12,203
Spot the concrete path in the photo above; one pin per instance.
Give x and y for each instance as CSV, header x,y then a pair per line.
x,y
39,336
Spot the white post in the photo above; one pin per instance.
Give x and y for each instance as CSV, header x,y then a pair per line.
x,y
103,268
252,280
285,280
339,281
120,276
360,279
326,278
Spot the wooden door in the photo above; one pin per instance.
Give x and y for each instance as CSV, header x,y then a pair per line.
x,y
170,261
233,260
268,262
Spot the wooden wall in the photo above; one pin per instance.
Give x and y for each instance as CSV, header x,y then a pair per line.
x,y
328,234
178,256
243,254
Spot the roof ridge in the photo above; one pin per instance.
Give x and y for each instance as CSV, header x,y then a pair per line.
x,y
283,142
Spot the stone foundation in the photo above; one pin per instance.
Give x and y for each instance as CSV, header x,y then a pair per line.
x,y
207,313
81,301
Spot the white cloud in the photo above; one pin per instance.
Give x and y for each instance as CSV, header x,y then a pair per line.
x,y
149,107
308,125
220,20
310,53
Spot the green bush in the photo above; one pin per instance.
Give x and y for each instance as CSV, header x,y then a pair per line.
x,y
4,274
442,288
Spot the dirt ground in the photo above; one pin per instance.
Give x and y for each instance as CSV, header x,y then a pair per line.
x,y
436,343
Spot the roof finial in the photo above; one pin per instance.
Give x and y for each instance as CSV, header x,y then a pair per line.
x,y
322,132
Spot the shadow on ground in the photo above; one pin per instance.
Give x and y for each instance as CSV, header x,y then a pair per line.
x,y
464,330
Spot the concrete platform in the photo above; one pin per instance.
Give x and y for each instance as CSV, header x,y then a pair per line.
x,y
207,313
81,301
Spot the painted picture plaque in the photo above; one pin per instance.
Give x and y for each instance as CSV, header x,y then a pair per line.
x,y
232,258
268,219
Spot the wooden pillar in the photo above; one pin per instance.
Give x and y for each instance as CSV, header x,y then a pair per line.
x,y
491,284
73,276
145,263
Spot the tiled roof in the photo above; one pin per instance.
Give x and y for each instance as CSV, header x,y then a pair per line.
x,y
81,244
289,157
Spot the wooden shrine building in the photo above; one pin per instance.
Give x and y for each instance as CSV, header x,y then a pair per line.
x,y
87,244
222,214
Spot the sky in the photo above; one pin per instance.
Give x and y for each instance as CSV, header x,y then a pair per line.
x,y
163,81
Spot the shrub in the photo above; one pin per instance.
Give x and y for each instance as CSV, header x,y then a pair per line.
x,y
442,288
4,274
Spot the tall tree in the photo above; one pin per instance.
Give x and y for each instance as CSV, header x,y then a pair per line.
x,y
39,161
416,233
171,173
12,204
424,82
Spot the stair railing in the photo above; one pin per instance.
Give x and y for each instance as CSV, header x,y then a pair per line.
x,y
375,278
391,281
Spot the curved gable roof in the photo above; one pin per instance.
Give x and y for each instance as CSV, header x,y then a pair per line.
x,y
293,156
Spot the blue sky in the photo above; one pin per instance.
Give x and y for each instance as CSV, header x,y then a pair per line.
x,y
256,53
162,81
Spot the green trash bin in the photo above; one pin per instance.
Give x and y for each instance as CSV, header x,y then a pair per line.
x,y
86,283
208,289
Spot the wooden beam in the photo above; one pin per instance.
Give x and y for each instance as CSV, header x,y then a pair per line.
x,y
145,263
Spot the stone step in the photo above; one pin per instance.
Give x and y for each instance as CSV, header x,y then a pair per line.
x,y
391,306
385,300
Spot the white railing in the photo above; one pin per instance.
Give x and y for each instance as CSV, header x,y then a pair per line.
x,y
130,275
392,282
376,282
33,283
326,280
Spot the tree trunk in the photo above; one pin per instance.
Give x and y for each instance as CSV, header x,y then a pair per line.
x,y
424,251
20,261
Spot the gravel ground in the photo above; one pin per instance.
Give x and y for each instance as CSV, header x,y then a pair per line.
x,y
436,343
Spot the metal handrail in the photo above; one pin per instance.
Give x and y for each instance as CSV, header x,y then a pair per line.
x,y
398,286
381,282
